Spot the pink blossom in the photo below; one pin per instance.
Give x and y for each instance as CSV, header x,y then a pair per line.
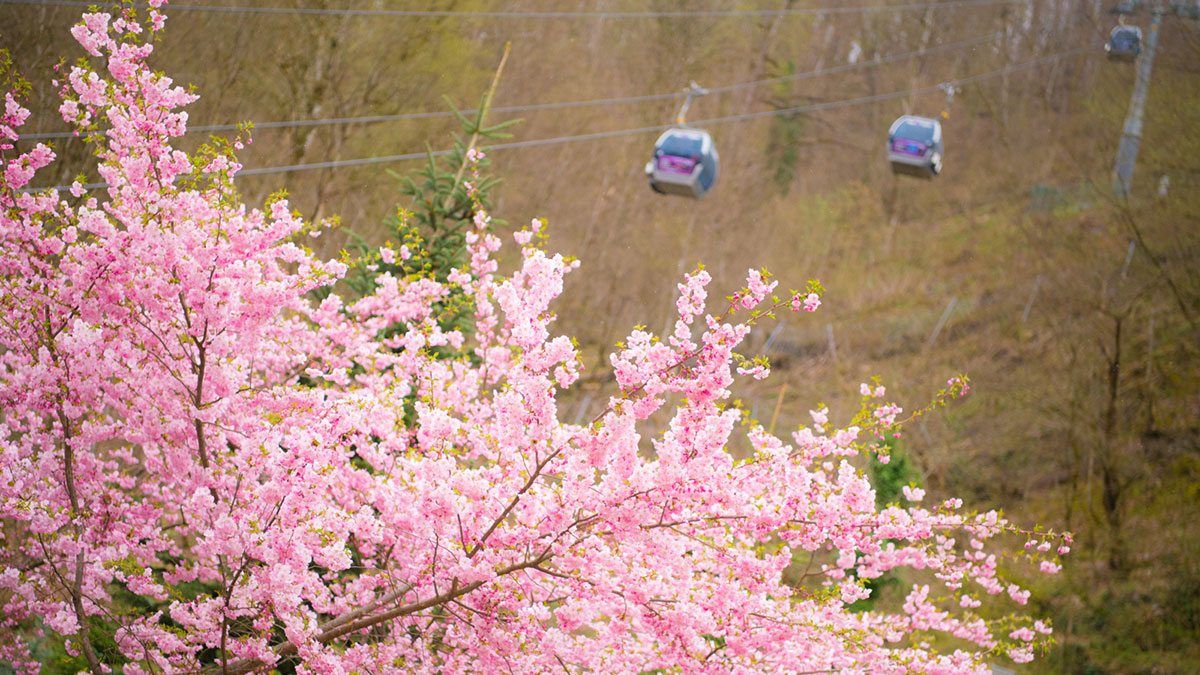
x,y
820,416
808,303
1025,634
757,288
245,454
757,371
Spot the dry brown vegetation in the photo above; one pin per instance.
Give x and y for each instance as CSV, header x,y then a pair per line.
x,y
1082,347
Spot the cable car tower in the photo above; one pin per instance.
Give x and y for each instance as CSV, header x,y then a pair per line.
x,y
1131,133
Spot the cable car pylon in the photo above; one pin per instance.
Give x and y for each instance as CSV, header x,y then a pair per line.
x,y
1131,131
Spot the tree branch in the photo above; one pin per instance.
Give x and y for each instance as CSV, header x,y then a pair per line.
x,y
362,618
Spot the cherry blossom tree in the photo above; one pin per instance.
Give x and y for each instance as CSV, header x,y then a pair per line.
x,y
202,468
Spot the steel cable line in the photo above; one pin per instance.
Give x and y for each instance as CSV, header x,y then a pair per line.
x,y
371,119
812,107
858,9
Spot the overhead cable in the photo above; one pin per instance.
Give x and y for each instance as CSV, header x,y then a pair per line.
x,y
800,11
372,119
812,107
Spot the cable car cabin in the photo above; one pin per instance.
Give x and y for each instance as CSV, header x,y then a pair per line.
x,y
685,163
1124,43
915,146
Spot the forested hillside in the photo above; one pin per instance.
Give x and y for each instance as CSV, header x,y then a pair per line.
x,y
1075,313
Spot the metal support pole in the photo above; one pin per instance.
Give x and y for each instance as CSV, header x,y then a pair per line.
x,y
1131,134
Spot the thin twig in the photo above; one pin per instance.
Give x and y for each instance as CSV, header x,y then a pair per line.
x,y
487,101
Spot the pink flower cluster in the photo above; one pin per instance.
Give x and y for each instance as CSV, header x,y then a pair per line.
x,y
808,303
277,478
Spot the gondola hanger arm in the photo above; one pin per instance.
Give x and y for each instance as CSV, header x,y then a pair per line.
x,y
693,91
950,90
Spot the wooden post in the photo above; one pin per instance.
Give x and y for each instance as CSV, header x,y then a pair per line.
x,y
942,321
778,405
